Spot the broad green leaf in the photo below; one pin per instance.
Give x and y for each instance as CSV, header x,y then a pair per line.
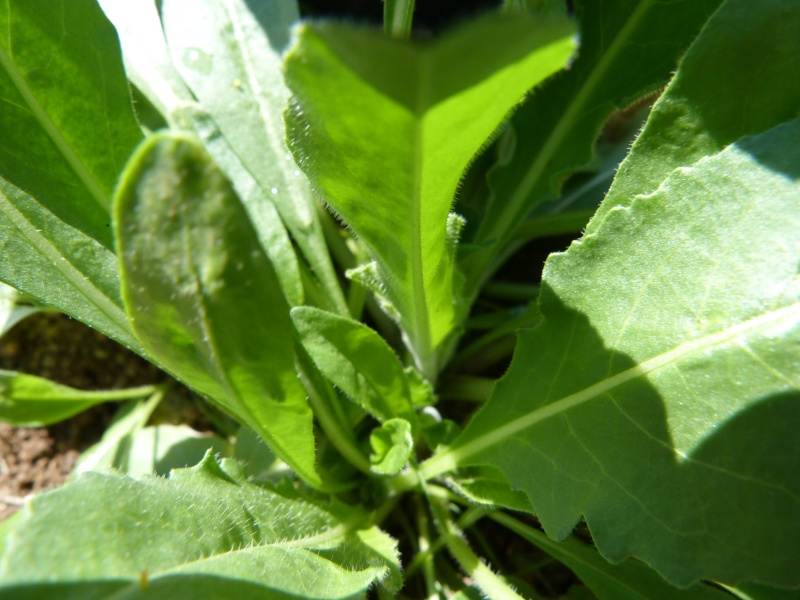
x,y
659,397
114,448
61,266
30,401
203,297
67,121
741,77
358,361
203,533
229,55
627,48
392,444
12,311
629,580
385,129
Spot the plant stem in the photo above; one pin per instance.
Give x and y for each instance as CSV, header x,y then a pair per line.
x,y
397,18
491,584
124,394
470,516
338,433
428,568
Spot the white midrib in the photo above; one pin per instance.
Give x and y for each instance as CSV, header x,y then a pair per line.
x,y
53,132
451,459
555,139
421,327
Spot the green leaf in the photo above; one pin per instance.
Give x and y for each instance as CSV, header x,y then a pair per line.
x,y
61,266
392,444
204,532
629,580
66,105
391,126
627,48
229,55
358,361
30,401
741,77
263,215
666,413
203,297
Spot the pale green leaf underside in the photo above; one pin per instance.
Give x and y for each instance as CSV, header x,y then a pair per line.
x,y
659,397
229,54
204,532
66,104
12,308
144,49
205,299
385,129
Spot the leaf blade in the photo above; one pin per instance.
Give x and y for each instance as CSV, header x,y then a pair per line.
x,y
627,49
229,55
356,360
431,108
190,294
640,402
67,105
216,534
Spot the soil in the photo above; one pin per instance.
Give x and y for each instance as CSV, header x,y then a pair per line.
x,y
58,348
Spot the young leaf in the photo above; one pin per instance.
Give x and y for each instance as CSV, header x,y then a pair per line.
x,y
204,532
356,360
61,266
667,414
66,105
392,444
203,297
30,401
627,49
229,55
384,129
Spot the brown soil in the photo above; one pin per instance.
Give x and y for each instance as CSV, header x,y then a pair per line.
x,y
56,347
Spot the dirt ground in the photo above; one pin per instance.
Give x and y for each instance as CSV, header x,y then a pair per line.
x,y
64,350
